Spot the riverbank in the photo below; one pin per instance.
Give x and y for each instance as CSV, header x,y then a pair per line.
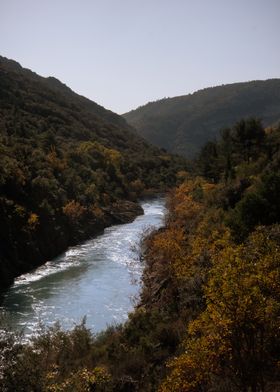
x,y
125,357
98,279
51,238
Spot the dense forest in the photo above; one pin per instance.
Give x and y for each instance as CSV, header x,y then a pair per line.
x,y
183,124
208,318
69,168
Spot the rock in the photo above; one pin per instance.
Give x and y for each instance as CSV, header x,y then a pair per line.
x,y
124,211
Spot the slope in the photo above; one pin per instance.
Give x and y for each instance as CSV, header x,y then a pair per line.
x,y
183,124
68,169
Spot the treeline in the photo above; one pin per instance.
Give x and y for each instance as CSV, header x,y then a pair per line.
x,y
66,163
208,319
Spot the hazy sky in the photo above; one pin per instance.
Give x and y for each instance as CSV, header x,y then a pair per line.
x,y
124,53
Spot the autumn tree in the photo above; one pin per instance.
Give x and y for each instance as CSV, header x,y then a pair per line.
x,y
235,341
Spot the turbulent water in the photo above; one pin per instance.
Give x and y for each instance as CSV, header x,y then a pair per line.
x,y
99,279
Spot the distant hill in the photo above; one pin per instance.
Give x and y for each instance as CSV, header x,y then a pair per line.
x,y
183,124
69,168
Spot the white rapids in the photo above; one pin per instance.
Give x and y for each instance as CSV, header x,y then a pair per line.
x,y
99,279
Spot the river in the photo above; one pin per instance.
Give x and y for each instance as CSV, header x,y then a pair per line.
x,y
99,279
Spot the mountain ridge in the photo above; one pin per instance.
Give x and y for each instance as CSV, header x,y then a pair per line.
x,y
184,123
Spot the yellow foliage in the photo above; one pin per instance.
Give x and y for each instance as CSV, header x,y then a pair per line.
x,y
112,156
74,210
83,380
192,371
20,210
182,175
33,221
168,245
55,162
193,234
184,209
241,320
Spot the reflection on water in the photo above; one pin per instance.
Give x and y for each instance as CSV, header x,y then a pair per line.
x,y
97,279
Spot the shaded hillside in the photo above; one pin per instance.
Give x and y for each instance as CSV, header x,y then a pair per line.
x,y
67,166
183,124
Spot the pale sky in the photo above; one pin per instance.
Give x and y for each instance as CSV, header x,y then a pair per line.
x,y
124,53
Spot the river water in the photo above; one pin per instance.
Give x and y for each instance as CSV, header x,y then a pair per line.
x,y
99,279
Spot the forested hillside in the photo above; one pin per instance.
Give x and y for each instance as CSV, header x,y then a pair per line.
x,y
67,166
208,319
183,124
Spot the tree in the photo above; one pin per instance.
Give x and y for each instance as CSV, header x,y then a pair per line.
x,y
258,207
236,339
248,136
208,162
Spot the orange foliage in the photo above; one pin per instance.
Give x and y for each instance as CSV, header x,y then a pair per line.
x,y
192,235
169,245
235,335
96,212
33,221
184,209
74,210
